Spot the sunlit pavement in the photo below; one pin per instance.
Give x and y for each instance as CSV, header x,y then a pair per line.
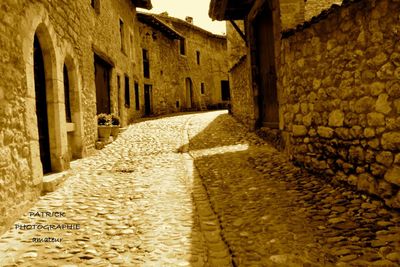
x,y
200,190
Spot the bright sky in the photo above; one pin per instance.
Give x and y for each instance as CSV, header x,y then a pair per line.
x,y
198,9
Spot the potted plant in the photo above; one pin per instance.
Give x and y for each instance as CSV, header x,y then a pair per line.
x,y
104,126
115,123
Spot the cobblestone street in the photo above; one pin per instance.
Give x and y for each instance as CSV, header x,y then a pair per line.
x,y
200,190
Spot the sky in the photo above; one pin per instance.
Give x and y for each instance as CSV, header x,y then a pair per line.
x,y
198,9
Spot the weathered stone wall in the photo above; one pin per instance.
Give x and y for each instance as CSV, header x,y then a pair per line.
x,y
315,7
242,104
68,32
340,97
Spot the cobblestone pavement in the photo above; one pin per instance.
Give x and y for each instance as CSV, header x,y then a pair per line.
x,y
133,204
141,202
272,214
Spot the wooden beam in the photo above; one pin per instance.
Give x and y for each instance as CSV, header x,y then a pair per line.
x,y
239,31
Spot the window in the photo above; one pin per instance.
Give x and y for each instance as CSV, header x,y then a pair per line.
x,y
202,88
225,94
67,96
198,57
122,34
132,47
127,95
95,5
137,103
182,48
146,63
177,104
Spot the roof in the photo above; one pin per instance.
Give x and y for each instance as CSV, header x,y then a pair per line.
x,y
323,15
229,9
171,20
153,21
143,3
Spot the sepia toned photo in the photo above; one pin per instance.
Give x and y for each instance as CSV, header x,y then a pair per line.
x,y
199,133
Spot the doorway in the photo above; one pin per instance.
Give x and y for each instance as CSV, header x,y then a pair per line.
x,y
147,99
189,93
102,81
41,106
265,59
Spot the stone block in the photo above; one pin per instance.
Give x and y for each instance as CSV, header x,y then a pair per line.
x,y
393,175
325,132
376,88
385,158
299,130
369,132
336,118
391,141
376,119
364,104
382,105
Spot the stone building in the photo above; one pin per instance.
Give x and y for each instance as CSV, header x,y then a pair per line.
x,y
327,89
184,67
62,62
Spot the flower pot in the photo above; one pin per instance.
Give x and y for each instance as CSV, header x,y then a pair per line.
x,y
104,132
115,131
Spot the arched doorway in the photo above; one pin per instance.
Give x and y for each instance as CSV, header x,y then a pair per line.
x,y
41,106
189,93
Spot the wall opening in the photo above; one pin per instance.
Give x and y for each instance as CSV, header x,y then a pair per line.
x,y
102,80
182,47
127,93
198,57
189,93
146,63
41,106
225,91
137,98
147,99
67,95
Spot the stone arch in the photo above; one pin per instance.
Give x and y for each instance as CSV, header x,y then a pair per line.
x,y
75,132
36,23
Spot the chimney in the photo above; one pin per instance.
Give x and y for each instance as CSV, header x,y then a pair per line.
x,y
189,19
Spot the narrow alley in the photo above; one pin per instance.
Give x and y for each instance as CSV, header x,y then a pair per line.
x,y
200,190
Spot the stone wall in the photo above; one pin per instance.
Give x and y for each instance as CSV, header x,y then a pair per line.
x,y
68,33
315,7
340,97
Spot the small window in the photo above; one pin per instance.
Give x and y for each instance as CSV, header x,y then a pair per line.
x,y
177,104
122,35
127,94
67,96
198,57
182,47
95,5
132,47
137,103
146,63
202,90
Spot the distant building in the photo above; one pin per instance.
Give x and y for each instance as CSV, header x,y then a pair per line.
x,y
184,67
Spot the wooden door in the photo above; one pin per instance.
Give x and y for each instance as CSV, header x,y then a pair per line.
x,y
41,107
147,99
265,57
102,81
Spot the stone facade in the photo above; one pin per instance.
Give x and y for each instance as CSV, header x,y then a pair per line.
x,y
173,73
69,34
341,94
